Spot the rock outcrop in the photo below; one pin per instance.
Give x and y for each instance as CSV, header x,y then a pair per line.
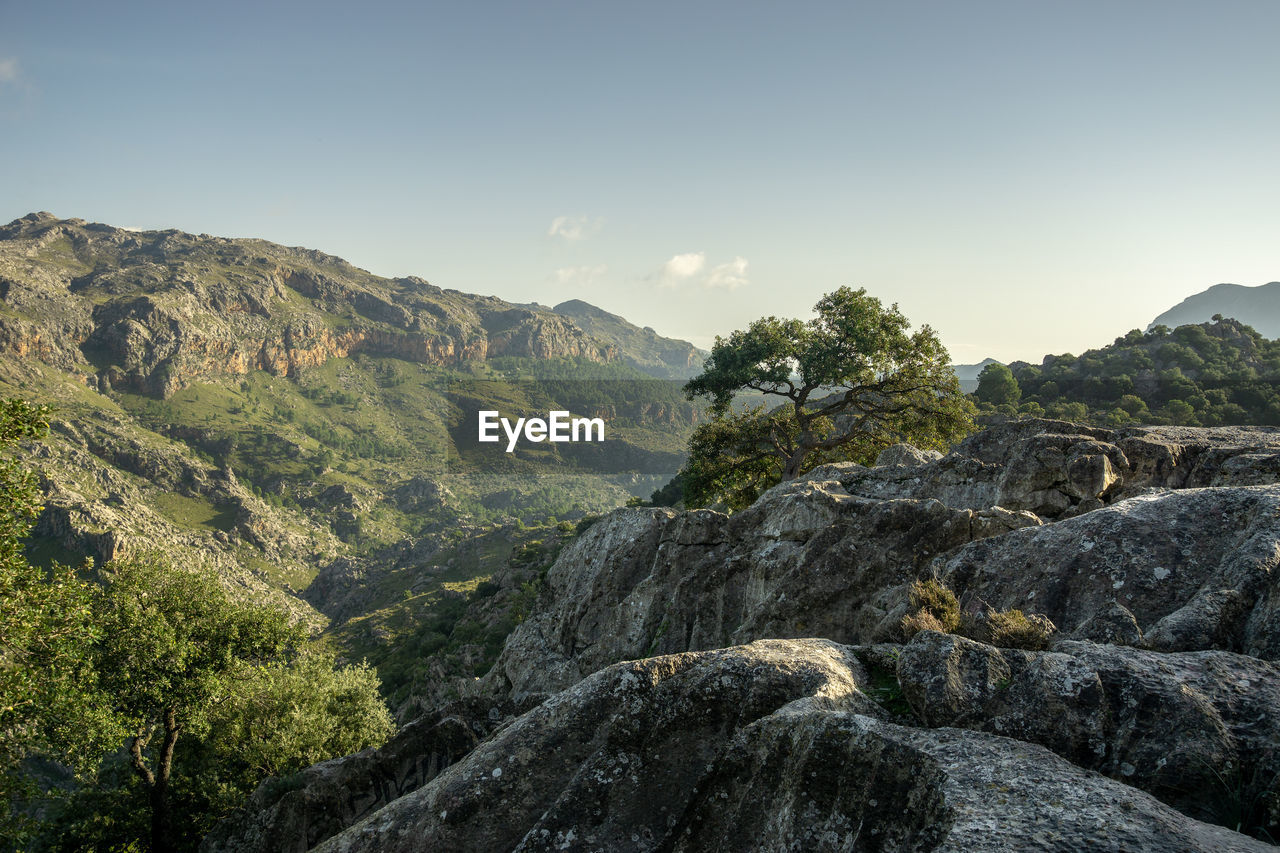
x,y
771,746
687,705
1187,727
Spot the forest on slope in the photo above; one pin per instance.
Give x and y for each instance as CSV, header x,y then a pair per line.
x,y
1209,374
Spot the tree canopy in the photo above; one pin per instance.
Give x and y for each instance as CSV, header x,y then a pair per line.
x,y
49,701
852,381
168,700
997,386
1207,374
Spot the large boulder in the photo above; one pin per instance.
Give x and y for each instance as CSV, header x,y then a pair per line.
x,y
1190,727
807,559
1191,569
771,746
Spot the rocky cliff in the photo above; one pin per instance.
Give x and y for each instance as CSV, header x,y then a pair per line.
x,y
742,682
155,311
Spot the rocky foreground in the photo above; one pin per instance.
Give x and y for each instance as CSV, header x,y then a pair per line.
x,y
696,681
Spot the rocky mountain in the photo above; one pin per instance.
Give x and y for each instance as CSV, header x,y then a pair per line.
x,y
1258,307
644,349
155,311
303,428
693,681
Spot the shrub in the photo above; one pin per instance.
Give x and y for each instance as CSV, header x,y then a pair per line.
x,y
1012,629
935,609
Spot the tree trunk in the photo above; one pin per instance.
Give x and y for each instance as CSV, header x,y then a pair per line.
x,y
791,468
158,782
161,819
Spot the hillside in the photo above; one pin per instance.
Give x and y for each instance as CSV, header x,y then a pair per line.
x,y
1220,372
644,349
1258,307
303,428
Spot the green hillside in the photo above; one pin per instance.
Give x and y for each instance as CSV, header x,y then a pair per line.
x,y
307,430
1208,374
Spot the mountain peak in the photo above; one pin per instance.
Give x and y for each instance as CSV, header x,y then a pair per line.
x,y
644,349
1257,306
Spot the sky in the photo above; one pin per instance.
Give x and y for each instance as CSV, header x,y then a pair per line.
x,y
1025,177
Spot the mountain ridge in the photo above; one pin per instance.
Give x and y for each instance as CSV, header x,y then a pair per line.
x,y
1257,306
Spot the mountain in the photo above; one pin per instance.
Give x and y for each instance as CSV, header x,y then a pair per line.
x,y
971,371
644,349
968,374
307,430
1258,307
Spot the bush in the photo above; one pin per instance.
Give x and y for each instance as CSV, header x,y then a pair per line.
x,y
1012,629
935,609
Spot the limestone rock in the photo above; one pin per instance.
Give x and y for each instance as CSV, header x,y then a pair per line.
x,y
164,309
1185,726
1195,569
806,559
906,455
770,746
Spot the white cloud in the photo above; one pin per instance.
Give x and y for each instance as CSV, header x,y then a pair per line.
x,y
682,267
730,276
8,70
689,269
581,275
574,228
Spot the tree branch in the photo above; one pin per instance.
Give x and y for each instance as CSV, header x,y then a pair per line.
x,y
136,745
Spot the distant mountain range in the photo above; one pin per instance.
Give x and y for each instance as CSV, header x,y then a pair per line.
x,y
968,374
1258,307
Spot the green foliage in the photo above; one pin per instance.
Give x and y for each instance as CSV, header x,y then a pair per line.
x,y
934,607
671,494
1210,374
49,700
1011,629
281,718
997,386
211,697
856,381
733,458
173,640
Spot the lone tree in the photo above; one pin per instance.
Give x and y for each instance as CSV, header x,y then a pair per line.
x,y
173,647
855,380
997,386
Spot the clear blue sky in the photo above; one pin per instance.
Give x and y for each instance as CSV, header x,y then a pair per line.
x,y
1027,177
